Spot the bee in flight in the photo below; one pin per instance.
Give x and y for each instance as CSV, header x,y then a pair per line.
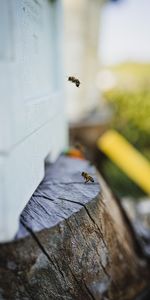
x,y
80,147
75,80
87,177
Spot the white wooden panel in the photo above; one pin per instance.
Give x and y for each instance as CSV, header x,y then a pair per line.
x,y
28,70
32,113
20,174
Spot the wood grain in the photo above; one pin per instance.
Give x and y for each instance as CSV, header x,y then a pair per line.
x,y
74,242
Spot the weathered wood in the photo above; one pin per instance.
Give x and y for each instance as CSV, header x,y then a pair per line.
x,y
74,242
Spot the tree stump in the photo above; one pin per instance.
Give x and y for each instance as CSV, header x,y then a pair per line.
x,y
74,242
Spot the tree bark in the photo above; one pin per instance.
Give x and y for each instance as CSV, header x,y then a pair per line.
x,y
74,242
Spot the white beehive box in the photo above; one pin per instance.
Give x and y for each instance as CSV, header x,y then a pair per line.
x,y
32,118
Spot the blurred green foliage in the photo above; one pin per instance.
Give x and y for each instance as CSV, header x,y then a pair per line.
x,y
130,102
131,115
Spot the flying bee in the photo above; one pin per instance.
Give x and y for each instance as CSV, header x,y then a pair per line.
x,y
75,80
87,177
80,147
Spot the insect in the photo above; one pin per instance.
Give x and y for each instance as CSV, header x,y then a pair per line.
x,y
75,80
87,177
80,147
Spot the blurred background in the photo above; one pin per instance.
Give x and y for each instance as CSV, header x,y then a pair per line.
x,y
107,47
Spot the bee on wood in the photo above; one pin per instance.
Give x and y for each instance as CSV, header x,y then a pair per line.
x,y
87,177
75,80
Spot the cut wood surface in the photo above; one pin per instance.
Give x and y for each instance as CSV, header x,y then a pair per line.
x,y
74,242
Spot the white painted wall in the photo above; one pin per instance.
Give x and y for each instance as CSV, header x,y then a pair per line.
x,y
32,110
82,19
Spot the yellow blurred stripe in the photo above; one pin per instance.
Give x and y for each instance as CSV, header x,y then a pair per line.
x,y
131,161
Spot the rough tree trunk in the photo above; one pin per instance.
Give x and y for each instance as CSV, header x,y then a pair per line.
x,y
74,242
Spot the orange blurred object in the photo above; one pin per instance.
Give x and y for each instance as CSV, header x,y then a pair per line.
x,y
75,153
